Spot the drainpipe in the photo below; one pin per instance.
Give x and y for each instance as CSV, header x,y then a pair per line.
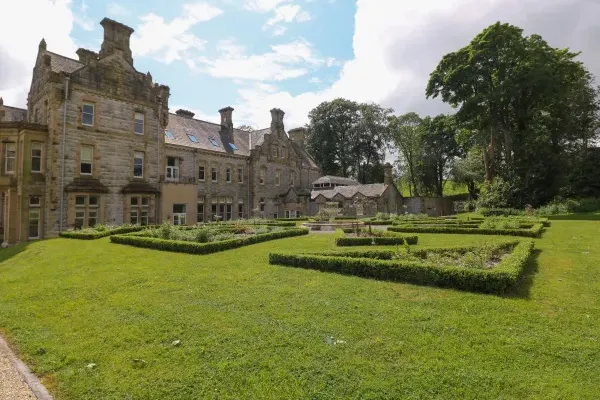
x,y
158,133
64,133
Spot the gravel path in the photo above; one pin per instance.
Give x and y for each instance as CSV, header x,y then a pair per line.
x,y
16,381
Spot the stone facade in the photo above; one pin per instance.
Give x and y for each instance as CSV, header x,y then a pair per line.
x,y
104,149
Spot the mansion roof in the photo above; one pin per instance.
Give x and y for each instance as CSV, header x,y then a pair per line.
x,y
60,63
348,192
338,180
13,114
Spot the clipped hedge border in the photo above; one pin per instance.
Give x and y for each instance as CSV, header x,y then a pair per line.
x,y
378,265
535,231
375,241
98,235
291,219
180,246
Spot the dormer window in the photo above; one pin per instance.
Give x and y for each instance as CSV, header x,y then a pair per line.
x,y
233,146
169,135
214,142
192,138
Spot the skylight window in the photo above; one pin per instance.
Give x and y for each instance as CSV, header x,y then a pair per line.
x,y
214,142
192,138
233,146
169,135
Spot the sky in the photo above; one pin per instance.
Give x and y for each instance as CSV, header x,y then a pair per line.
x,y
255,55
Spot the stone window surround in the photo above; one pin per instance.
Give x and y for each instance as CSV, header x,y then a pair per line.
x,y
71,206
143,114
94,157
201,176
13,145
41,156
240,174
143,154
92,101
214,173
228,173
140,207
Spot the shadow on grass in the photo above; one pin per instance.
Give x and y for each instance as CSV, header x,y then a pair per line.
x,y
593,216
12,251
522,290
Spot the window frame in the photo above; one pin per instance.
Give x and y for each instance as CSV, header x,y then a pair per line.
x,y
277,178
240,174
135,122
192,138
177,216
13,158
81,160
169,134
214,174
41,150
93,113
200,210
173,169
143,158
33,209
228,174
201,176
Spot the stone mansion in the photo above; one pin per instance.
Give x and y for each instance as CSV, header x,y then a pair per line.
x,y
98,145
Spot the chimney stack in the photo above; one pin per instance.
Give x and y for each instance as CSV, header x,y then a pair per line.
x,y
116,38
85,55
277,122
298,135
388,176
185,113
226,119
1,108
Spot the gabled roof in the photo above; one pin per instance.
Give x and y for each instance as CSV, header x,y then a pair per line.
x,y
180,127
338,180
307,160
258,137
14,114
348,192
60,63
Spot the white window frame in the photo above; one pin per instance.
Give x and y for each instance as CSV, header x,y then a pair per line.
x,y
134,211
34,215
240,173
13,158
83,113
138,155
172,170
180,218
40,147
214,174
137,121
81,160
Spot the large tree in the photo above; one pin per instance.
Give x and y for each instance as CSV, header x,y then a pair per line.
x,y
525,104
349,139
407,132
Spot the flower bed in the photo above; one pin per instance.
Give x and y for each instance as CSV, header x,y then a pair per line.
x,y
529,230
419,268
195,247
101,231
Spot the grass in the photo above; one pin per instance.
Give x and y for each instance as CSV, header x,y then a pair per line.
x,y
255,331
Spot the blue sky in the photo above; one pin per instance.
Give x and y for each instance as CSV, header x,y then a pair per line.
x,y
325,26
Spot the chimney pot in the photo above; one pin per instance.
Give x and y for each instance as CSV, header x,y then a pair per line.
x,y
116,37
184,113
226,119
388,176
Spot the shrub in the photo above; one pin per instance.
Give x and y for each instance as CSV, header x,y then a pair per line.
x,y
500,223
92,233
567,206
534,230
487,212
376,241
202,248
381,265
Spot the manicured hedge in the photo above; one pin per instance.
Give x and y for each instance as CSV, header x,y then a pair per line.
x,y
535,230
203,248
377,265
379,222
108,232
377,241
291,219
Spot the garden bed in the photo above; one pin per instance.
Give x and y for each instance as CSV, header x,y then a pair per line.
x,y
501,265
199,241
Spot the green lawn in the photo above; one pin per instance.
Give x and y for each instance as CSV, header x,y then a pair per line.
x,y
255,331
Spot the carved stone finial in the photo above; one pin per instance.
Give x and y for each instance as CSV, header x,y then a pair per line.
x,y
42,45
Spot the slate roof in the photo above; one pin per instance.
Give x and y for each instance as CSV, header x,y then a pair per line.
x,y
338,180
139,187
86,185
60,63
14,114
180,127
370,190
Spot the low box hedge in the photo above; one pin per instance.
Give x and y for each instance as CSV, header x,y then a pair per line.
x,y
203,248
97,235
379,265
534,231
376,241
291,219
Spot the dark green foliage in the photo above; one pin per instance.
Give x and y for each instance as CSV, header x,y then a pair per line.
x,y
203,248
291,219
529,230
378,266
566,206
377,241
87,235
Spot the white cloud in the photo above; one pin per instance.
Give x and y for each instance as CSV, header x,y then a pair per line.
x,y
169,41
82,19
117,10
398,43
19,46
284,61
315,79
286,14
262,5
